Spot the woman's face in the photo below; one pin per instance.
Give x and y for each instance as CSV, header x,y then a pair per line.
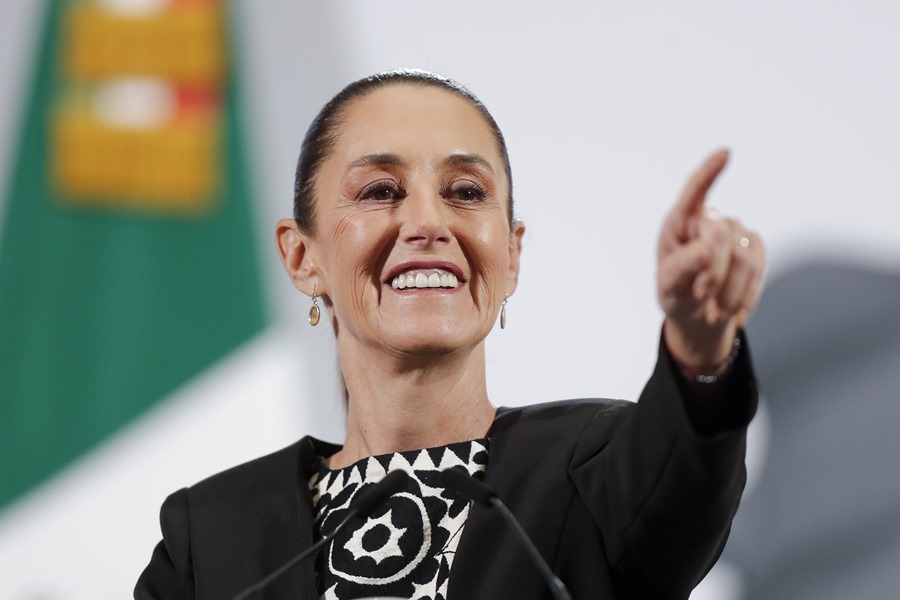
x,y
413,247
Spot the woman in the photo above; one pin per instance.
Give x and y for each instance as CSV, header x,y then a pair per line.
x,y
404,232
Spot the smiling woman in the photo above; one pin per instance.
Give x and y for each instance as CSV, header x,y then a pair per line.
x,y
419,190
403,226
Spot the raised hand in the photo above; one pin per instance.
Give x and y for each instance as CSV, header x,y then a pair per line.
x,y
709,273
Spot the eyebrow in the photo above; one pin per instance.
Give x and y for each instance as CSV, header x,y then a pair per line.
x,y
392,160
467,159
383,159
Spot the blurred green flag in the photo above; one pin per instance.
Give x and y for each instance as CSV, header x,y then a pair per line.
x,y
127,260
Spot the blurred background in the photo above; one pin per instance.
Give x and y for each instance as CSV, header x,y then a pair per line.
x,y
148,337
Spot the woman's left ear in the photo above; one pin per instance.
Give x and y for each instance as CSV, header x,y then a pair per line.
x,y
515,252
298,257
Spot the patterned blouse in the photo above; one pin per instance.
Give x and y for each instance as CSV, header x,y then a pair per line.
x,y
405,547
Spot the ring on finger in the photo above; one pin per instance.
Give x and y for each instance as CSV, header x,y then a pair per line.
x,y
743,241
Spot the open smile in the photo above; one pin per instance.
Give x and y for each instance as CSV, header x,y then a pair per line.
x,y
423,276
419,280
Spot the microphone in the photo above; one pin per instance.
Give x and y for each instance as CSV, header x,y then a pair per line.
x,y
361,505
460,481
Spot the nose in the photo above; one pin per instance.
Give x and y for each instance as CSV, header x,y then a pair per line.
x,y
424,219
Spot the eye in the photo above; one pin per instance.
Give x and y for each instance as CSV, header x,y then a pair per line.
x,y
465,191
383,190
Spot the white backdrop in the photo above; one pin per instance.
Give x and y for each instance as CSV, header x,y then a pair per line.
x,y
606,109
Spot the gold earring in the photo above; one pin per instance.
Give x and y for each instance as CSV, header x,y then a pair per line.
x,y
314,310
503,313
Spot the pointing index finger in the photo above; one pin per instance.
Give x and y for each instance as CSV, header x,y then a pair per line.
x,y
694,194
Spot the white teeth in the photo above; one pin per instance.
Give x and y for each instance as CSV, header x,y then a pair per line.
x,y
420,280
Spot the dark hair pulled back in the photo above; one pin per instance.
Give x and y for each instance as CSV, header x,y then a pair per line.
x,y
322,134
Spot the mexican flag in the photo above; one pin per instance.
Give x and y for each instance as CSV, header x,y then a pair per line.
x,y
128,263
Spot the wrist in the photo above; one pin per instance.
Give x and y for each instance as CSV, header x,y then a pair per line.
x,y
703,356
709,373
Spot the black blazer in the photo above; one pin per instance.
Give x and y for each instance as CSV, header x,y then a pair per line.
x,y
624,500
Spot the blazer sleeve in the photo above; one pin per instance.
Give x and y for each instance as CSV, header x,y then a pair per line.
x,y
664,488
169,575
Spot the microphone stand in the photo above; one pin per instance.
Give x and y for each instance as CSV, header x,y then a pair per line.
x,y
560,592
460,481
360,505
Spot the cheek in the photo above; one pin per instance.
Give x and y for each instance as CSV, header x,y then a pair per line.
x,y
359,248
491,252
347,235
494,237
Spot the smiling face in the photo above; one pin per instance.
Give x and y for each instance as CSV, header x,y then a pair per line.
x,y
413,248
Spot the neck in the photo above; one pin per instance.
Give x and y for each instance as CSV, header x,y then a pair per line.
x,y
400,403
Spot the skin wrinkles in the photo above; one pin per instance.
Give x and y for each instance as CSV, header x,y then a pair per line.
x,y
418,184
374,168
422,171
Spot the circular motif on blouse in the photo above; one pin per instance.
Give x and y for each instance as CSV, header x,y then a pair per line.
x,y
405,547
401,560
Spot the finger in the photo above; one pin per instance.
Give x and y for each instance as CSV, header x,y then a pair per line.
x,y
754,290
744,265
740,313
679,268
732,296
694,194
740,293
714,315
717,235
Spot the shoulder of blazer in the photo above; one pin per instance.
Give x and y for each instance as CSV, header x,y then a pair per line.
x,y
263,509
564,418
265,474
540,440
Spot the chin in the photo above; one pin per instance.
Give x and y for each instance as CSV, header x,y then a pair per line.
x,y
433,344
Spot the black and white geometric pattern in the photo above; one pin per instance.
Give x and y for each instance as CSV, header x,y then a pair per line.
x,y
405,548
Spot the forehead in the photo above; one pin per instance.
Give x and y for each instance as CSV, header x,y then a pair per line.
x,y
418,122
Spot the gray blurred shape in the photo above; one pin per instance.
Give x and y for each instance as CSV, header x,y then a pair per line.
x,y
823,521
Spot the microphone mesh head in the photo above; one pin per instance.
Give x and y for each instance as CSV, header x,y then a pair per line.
x,y
460,481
